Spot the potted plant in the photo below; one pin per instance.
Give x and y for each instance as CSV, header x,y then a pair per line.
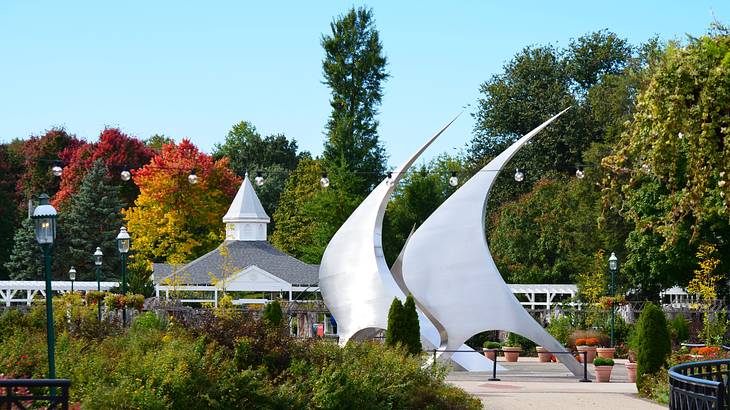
x,y
587,345
511,353
606,352
603,368
631,366
491,354
544,354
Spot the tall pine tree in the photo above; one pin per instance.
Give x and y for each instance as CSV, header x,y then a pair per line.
x,y
411,332
26,257
354,67
92,218
395,319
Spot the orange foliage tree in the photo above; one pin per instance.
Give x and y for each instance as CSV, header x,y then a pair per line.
x,y
173,220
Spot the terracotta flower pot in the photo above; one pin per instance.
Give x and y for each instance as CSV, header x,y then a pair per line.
x,y
590,350
491,355
543,354
603,373
631,369
511,354
606,352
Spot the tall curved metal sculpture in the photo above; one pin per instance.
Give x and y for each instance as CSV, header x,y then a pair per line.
x,y
449,269
354,279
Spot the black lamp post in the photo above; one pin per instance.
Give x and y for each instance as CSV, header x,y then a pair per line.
x,y
44,217
613,267
123,246
97,261
72,277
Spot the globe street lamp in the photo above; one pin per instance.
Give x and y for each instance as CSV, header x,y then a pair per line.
x,y
613,267
97,261
72,277
44,217
123,246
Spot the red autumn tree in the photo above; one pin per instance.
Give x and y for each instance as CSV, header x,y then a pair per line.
x,y
173,220
39,153
117,150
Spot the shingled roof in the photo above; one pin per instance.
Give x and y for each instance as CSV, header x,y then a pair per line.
x,y
241,255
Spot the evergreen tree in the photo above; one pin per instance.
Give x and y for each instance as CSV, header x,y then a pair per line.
x,y
26,258
354,67
92,218
273,314
395,320
652,342
411,333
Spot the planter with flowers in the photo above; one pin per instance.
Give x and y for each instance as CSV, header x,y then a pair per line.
x,y
491,354
603,369
544,354
587,345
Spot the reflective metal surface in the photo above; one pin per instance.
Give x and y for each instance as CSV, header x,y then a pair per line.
x,y
432,331
449,269
354,279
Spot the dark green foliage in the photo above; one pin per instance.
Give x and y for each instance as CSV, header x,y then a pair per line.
x,y
274,156
11,213
354,67
393,334
139,277
273,314
418,194
26,258
411,327
679,329
515,340
403,326
92,218
652,341
492,345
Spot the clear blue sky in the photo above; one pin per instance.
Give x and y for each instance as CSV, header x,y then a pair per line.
x,y
193,70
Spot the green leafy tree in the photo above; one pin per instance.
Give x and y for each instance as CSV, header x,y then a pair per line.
x,y
417,195
10,170
354,68
274,156
294,228
651,341
670,168
394,332
92,218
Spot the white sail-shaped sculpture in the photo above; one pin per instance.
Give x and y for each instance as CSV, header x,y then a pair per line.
x,y
354,278
450,271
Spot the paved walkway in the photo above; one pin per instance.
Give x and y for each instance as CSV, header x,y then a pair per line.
x,y
530,384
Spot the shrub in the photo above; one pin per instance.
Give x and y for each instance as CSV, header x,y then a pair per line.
x,y
652,342
492,345
560,328
411,327
273,314
395,318
679,329
600,361
147,321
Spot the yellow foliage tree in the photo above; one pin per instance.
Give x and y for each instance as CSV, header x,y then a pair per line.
x,y
173,220
705,279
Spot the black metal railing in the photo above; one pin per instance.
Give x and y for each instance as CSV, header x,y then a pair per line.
x,y
699,385
494,378
24,394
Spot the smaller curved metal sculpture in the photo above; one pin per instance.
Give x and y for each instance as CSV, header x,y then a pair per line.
x,y
354,279
449,269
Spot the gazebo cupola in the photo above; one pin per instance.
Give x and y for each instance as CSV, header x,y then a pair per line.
x,y
246,219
